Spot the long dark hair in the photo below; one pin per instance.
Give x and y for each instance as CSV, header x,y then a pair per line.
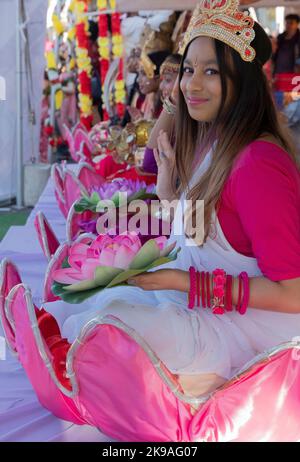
x,y
249,114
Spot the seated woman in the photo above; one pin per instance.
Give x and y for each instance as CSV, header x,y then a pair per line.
x,y
168,74
149,81
234,290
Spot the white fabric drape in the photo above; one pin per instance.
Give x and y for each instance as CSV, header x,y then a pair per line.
x,y
36,13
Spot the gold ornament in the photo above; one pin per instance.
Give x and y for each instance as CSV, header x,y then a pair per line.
x,y
221,20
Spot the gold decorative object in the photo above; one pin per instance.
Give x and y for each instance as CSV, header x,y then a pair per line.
x,y
222,20
124,142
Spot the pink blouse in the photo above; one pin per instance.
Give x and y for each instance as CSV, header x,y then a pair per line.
x,y
259,209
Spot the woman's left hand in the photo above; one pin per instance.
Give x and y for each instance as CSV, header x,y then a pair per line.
x,y
164,279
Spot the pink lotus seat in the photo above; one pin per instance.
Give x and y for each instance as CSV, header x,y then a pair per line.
x,y
9,278
74,220
83,145
35,357
69,186
88,176
47,238
57,176
73,148
118,384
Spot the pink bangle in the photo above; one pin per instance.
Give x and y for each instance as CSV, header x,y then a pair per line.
x,y
219,281
229,293
207,276
203,289
198,288
245,279
237,308
192,291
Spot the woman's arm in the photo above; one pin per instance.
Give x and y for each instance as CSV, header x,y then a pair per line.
x,y
283,296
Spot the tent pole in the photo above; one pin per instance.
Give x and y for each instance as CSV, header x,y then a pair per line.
x,y
19,157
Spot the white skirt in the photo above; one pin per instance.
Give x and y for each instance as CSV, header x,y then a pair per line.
x,y
187,341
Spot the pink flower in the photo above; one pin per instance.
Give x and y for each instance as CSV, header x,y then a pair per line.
x,y
114,253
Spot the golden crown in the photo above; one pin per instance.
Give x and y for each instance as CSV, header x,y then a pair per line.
x,y
222,20
172,68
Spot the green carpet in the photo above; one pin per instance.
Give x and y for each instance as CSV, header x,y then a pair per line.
x,y
12,218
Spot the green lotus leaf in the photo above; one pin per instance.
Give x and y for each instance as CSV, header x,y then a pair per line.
x,y
76,297
95,198
125,275
146,255
81,286
103,275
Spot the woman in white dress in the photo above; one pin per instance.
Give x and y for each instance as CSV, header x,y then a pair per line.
x,y
231,152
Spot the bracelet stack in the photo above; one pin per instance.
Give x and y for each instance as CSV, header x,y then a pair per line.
x,y
215,291
169,107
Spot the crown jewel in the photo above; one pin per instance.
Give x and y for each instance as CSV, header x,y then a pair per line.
x,y
221,20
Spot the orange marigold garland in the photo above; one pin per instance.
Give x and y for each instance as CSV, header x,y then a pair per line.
x,y
83,63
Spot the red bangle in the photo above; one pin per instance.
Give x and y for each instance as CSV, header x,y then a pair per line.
x,y
229,293
203,289
245,279
192,291
198,288
207,276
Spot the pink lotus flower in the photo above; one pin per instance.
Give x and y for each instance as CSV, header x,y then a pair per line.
x,y
97,262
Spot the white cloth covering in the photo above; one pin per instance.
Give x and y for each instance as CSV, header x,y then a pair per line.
x,y
22,418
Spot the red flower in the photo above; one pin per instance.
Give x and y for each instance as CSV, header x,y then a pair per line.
x,y
48,130
85,83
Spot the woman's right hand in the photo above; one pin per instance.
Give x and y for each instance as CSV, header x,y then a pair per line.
x,y
165,160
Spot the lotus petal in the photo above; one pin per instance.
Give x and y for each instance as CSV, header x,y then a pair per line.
x,y
67,275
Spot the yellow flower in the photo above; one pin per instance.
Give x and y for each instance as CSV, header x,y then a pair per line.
x,y
51,62
117,50
103,42
57,24
102,5
72,64
72,6
113,4
120,96
117,39
71,34
81,53
59,96
119,85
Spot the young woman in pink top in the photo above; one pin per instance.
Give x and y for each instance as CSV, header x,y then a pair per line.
x,y
232,153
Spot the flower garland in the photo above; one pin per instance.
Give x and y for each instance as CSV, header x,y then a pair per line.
x,y
117,49
117,52
83,63
103,44
54,79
